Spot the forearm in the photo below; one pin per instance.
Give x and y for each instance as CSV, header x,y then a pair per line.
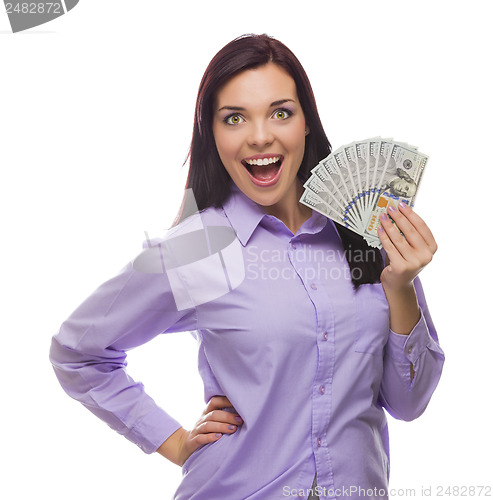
x,y
403,396
404,313
403,308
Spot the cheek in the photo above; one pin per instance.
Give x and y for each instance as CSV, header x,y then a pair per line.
x,y
295,141
226,146
294,136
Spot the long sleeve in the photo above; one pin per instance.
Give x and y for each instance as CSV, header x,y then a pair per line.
x,y
89,351
403,398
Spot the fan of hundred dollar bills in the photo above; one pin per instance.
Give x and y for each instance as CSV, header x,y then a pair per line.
x,y
356,183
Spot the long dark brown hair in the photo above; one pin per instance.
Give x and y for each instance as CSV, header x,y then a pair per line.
x,y
207,177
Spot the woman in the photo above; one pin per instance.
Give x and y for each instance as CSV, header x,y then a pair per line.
x,y
304,335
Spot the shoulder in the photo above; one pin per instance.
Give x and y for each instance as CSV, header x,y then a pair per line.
x,y
196,222
188,241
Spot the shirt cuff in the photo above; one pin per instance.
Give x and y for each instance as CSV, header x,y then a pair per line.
x,y
151,431
408,348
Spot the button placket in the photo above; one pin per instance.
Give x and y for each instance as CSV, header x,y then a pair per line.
x,y
324,342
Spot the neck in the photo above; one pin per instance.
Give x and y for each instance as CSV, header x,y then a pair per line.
x,y
289,210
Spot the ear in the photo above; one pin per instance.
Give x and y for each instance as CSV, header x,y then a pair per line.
x,y
307,130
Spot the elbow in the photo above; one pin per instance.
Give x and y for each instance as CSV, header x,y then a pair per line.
x,y
406,414
55,357
59,354
404,407
61,362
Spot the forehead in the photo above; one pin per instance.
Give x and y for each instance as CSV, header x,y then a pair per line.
x,y
255,87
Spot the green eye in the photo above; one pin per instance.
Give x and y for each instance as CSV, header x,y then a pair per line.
x,y
282,114
233,119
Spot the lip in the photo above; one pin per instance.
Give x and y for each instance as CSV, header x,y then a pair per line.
x,y
258,182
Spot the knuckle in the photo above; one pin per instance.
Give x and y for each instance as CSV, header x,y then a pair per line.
x,y
215,401
205,427
201,439
399,269
222,415
426,259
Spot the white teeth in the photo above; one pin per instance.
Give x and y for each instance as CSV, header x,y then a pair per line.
x,y
264,161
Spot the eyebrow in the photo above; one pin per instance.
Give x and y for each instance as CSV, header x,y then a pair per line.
x,y
272,104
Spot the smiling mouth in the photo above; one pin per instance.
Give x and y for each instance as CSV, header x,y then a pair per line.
x,y
263,169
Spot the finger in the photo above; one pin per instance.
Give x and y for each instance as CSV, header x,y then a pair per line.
x,y
411,234
399,242
218,402
212,427
419,224
392,253
223,416
200,439
215,411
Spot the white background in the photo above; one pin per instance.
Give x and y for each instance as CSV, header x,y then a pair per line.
x,y
96,113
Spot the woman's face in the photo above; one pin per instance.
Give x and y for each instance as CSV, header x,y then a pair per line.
x,y
259,129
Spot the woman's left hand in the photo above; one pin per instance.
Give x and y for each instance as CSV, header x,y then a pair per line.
x,y
408,254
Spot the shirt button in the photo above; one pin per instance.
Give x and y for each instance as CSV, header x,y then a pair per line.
x,y
410,349
301,494
313,286
293,246
326,336
322,389
319,442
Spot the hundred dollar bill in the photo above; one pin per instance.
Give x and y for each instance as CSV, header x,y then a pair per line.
x,y
357,182
383,155
345,161
398,180
328,194
327,186
357,166
361,152
340,177
313,201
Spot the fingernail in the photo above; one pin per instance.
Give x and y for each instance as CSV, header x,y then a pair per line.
x,y
384,217
231,427
403,205
218,434
380,230
239,419
391,208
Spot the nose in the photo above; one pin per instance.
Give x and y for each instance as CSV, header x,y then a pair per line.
x,y
260,134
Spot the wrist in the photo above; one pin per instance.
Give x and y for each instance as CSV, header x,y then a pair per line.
x,y
403,308
398,288
173,448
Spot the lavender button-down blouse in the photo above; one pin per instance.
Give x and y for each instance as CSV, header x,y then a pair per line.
x,y
307,362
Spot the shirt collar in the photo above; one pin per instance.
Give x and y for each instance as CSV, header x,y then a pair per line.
x,y
245,215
